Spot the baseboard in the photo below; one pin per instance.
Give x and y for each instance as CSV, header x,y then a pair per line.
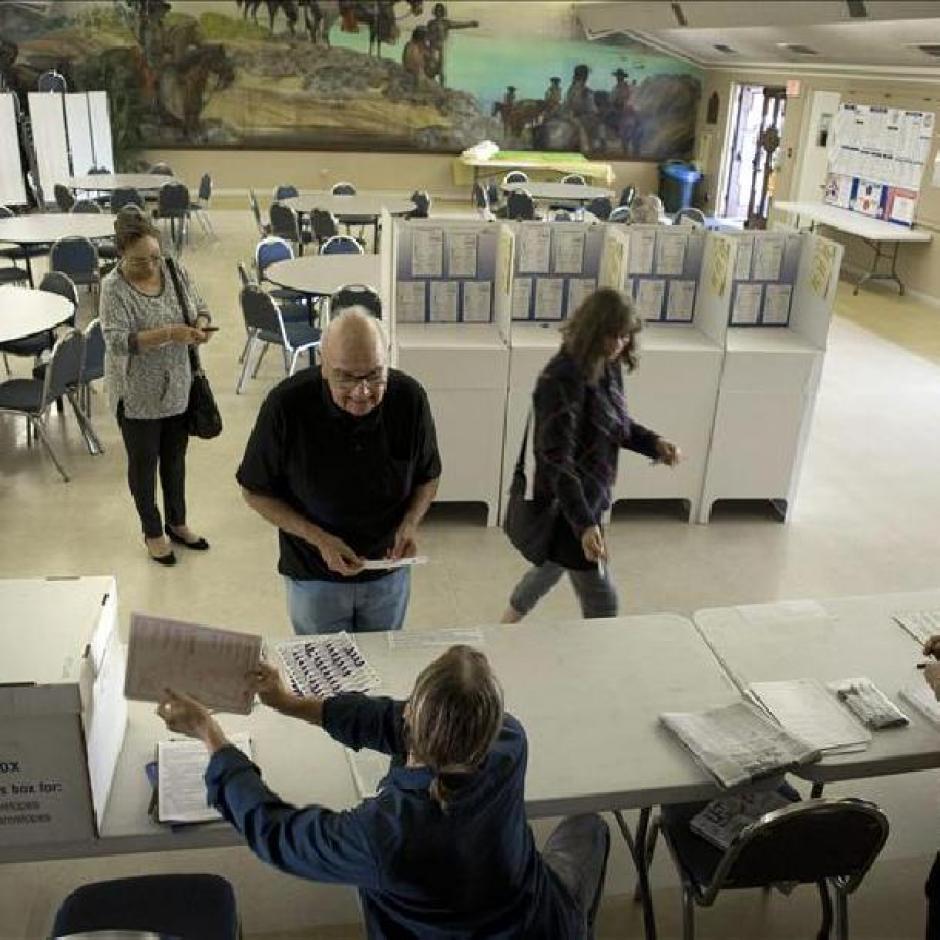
x,y
856,272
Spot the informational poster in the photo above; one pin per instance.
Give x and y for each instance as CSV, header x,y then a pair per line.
x,y
410,301
443,303
680,300
742,264
642,247
745,310
549,292
839,190
649,298
768,253
579,289
461,254
670,252
776,304
535,245
521,298
427,252
569,251
477,301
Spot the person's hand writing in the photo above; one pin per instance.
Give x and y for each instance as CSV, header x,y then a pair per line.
x,y
667,453
592,543
932,677
406,542
932,647
183,714
337,555
266,682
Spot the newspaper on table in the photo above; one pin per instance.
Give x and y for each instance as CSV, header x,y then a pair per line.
x,y
920,696
920,624
723,819
325,665
738,743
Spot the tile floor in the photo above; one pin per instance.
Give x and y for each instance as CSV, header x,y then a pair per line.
x,y
865,520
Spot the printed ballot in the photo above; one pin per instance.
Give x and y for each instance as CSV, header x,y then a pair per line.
x,y
204,662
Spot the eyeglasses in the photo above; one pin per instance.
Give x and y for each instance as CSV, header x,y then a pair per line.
x,y
347,381
142,262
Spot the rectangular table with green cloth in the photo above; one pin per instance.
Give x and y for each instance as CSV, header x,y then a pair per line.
x,y
468,170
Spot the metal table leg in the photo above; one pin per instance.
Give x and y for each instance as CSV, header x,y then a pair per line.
x,y
638,852
873,274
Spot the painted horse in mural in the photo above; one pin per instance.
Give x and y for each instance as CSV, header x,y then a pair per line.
x,y
289,8
377,15
186,85
519,115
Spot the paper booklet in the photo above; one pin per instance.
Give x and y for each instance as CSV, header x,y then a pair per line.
x,y
810,711
723,819
920,696
738,743
920,624
325,665
181,785
207,663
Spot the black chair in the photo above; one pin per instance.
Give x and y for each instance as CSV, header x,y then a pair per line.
x,y
560,215
627,195
821,842
323,226
52,81
285,223
343,189
200,207
621,214
481,202
600,208
356,295
263,229
285,191
341,245
37,344
422,201
519,205
515,176
173,205
86,207
689,216
126,196
182,906
15,274
161,169
63,197
77,257
573,179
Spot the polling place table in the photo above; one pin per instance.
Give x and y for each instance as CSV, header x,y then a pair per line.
x,y
108,182
884,238
319,275
361,208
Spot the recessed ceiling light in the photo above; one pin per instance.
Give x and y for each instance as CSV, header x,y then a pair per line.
x,y
727,50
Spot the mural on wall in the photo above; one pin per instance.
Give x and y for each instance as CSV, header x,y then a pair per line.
x,y
358,74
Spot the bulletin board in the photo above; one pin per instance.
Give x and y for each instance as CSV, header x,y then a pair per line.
x,y
876,161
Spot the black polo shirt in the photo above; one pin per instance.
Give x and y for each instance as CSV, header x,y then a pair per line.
x,y
353,477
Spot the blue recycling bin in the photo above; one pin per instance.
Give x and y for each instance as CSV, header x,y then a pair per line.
x,y
676,182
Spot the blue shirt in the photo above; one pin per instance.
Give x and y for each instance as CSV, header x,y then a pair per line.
x,y
471,871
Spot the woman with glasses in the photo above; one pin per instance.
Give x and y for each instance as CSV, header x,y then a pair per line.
x,y
581,423
149,376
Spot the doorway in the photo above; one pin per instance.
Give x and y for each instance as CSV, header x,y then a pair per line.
x,y
755,126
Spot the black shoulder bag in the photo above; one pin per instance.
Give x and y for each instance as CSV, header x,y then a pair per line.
x,y
202,413
530,524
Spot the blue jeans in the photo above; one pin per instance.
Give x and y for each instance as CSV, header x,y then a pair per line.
x,y
354,606
596,593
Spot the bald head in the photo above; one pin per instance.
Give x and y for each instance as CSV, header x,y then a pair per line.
x,y
354,354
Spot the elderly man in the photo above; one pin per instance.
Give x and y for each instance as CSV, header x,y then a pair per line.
x,y
343,460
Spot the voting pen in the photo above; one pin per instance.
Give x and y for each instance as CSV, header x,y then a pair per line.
x,y
602,567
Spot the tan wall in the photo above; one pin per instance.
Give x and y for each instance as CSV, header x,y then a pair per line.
x,y
918,265
264,169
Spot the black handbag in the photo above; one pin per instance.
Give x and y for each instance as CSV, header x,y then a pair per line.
x,y
202,414
529,523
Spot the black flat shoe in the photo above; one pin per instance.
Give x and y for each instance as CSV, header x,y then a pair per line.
x,y
167,560
200,545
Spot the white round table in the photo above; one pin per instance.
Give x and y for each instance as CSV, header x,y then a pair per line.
x,y
107,182
24,312
325,274
560,192
362,205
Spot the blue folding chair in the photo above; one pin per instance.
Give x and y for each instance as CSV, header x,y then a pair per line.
x,y
341,245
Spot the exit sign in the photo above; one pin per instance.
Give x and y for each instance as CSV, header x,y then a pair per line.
x,y
793,88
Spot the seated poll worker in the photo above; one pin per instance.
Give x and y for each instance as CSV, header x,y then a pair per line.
x,y
932,677
343,460
444,849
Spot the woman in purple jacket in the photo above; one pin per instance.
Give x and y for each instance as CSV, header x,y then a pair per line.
x,y
581,423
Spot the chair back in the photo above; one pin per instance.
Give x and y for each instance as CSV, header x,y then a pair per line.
x,y
244,275
86,207
285,191
205,188
284,222
343,189
805,842
75,256
52,81
627,195
98,171
260,311
323,224
6,212
256,211
58,282
356,295
63,197
422,201
621,214
573,179
162,169
341,245
689,216
519,205
561,215
93,359
64,370
515,176
126,196
480,199
173,200
271,249
600,207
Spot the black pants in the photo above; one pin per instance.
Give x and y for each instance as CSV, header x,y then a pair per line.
x,y
160,442
933,901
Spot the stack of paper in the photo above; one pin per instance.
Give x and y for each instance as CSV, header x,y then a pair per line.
x,y
921,624
920,696
723,819
808,710
738,743
326,665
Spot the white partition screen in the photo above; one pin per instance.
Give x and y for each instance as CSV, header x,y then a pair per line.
x,y
12,190
100,129
78,126
52,152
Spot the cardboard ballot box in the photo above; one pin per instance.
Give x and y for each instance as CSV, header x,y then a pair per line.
x,y
62,711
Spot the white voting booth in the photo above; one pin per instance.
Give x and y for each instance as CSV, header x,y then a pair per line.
x,y
783,288
62,708
450,330
71,133
675,388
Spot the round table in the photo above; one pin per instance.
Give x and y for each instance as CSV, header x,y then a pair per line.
x,y
107,182
362,205
325,274
24,312
560,192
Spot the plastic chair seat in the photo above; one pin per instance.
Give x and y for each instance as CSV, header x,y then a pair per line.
x,y
21,252
85,278
107,250
21,395
11,275
33,345
300,334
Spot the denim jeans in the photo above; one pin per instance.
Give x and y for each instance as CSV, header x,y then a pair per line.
x,y
596,592
354,606
577,853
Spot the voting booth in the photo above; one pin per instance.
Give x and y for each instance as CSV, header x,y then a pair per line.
x,y
784,287
62,709
679,278
450,330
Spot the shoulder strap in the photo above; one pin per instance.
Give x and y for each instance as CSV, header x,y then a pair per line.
x,y
184,306
520,463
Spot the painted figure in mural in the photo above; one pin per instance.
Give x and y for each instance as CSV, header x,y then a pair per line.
x,y
379,16
622,117
439,27
553,95
517,115
414,58
251,7
186,84
581,107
